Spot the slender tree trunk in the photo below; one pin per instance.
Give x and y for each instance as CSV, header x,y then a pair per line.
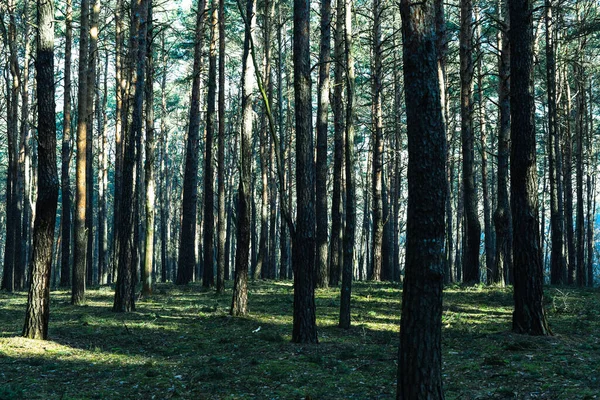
x,y
502,215
472,226
377,174
239,303
529,316
38,302
222,261
65,267
579,137
187,258
283,228
303,249
335,252
78,281
103,185
163,179
124,294
208,278
350,230
147,266
419,362
568,176
591,209
321,165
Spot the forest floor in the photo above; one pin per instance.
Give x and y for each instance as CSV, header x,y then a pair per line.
x,y
181,343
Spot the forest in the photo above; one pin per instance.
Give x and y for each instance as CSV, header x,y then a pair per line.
x,y
299,199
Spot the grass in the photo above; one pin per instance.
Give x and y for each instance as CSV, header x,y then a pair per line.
x,y
181,343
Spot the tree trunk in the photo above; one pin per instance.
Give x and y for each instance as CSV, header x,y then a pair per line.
x,y
335,252
38,301
529,316
502,215
350,231
579,137
187,240
239,302
124,294
568,180
149,166
420,358
78,281
472,226
222,261
65,264
103,183
303,248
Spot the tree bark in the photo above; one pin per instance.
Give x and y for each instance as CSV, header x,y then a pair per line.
x,y
222,261
420,358
38,301
529,316
303,248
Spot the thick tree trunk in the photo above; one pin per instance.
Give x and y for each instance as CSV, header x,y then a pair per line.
x,y
335,251
350,230
472,226
38,302
65,264
124,293
239,302
529,316
321,165
303,248
419,362
187,240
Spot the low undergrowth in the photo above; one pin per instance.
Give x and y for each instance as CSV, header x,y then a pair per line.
x,y
181,343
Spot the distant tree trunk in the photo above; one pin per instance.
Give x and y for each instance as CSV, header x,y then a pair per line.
x,y
187,258
38,301
591,209
350,231
489,243
502,215
303,249
239,302
568,180
396,194
103,183
149,166
222,261
124,293
335,251
472,226
420,358
529,316
65,264
78,281
557,260
163,179
208,278
321,165
377,173
579,137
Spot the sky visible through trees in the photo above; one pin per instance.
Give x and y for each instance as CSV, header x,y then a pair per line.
x,y
427,144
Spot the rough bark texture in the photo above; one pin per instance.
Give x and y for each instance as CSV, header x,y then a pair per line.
x,y
208,278
529,316
321,166
239,303
502,214
350,230
303,248
187,239
80,244
124,292
38,302
420,357
472,226
335,251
